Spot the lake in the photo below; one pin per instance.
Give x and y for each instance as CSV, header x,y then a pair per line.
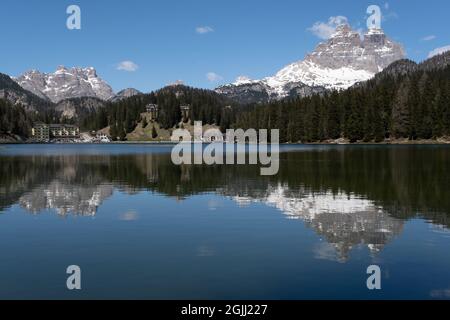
x,y
140,227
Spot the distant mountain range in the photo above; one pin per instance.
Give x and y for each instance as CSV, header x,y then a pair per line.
x,y
339,63
16,95
68,83
65,83
68,92
343,61
69,108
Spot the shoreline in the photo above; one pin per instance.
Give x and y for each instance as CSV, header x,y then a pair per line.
x,y
384,143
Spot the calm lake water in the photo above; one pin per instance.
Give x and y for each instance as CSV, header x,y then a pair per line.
x,y
141,227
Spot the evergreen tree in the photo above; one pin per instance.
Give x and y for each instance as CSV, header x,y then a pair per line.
x,y
334,121
354,122
401,113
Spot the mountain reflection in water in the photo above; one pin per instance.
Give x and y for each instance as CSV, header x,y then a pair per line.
x,y
343,220
348,196
160,231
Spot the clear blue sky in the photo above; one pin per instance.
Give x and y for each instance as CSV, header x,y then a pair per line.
x,y
246,37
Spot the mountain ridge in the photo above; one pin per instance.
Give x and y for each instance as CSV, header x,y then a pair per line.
x,y
125,93
16,95
342,61
66,83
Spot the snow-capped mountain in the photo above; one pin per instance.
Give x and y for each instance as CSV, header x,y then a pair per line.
x,y
339,63
66,83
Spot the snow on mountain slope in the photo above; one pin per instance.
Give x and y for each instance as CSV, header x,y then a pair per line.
x,y
339,63
66,83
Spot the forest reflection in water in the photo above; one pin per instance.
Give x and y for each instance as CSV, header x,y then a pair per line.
x,y
348,195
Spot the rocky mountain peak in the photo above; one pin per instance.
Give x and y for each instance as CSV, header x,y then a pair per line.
x,y
343,31
65,83
344,59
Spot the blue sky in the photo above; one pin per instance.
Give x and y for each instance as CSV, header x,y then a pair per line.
x,y
204,43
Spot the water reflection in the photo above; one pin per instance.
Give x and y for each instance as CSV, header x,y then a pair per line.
x,y
349,196
66,199
343,220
